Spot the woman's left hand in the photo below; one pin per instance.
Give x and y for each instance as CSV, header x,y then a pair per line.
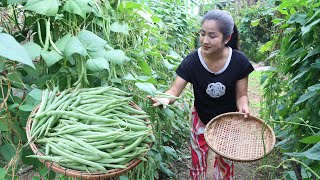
x,y
244,109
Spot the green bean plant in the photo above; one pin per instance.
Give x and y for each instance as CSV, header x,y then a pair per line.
x,y
94,43
291,89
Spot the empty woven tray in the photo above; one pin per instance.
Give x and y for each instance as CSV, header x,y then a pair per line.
x,y
239,139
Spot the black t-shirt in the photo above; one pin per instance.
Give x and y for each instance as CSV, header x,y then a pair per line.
x,y
215,93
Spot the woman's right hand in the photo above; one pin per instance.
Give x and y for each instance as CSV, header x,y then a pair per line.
x,y
159,101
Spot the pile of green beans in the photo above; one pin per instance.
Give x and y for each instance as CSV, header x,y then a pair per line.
x,y
92,130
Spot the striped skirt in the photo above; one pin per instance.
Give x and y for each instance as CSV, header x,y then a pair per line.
x,y
222,170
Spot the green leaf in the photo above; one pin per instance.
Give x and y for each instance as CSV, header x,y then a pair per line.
x,y
3,173
147,87
101,53
75,46
120,28
7,151
129,77
51,57
315,87
12,50
2,63
131,5
170,151
26,107
35,94
312,153
167,171
33,49
306,28
168,112
16,1
98,64
297,18
267,46
147,16
255,22
144,66
61,43
79,7
298,76
16,80
168,65
3,126
306,96
312,53
116,56
311,139
91,41
44,7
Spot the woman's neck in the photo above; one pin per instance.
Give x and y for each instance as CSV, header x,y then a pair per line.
x,y
217,56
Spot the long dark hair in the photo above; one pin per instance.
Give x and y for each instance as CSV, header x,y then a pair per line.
x,y
234,41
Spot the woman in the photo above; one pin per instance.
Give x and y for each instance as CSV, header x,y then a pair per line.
x,y
218,72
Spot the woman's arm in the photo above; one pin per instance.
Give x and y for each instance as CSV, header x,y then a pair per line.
x,y
242,96
175,90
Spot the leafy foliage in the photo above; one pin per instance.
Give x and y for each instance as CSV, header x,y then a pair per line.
x,y
88,44
291,90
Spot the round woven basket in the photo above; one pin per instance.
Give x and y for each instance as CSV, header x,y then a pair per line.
x,y
75,173
239,139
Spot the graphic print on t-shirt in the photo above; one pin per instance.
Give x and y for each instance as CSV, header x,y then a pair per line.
x,y
216,90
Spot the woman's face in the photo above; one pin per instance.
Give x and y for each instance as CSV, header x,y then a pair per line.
x,y
211,39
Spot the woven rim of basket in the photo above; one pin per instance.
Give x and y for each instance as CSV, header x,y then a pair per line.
x,y
231,114
76,173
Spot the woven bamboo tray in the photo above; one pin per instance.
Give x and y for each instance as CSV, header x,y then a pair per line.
x,y
239,139
75,173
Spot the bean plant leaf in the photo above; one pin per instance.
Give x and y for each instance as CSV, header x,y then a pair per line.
x,y
144,66
315,87
3,173
147,16
97,64
170,151
2,63
147,87
3,126
255,22
35,94
167,171
50,57
312,153
44,7
120,28
129,77
306,96
79,7
168,65
16,1
33,49
26,107
62,42
91,41
311,139
116,56
306,28
7,151
101,53
12,50
74,46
